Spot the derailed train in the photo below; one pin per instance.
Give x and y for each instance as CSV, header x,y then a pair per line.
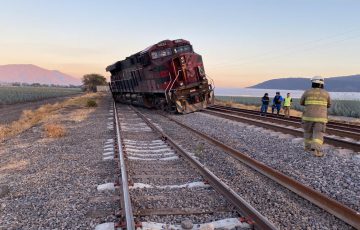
x,y
168,75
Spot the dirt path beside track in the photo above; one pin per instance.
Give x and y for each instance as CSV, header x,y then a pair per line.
x,y
10,113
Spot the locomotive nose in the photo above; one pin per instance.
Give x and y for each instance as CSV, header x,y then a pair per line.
x,y
185,66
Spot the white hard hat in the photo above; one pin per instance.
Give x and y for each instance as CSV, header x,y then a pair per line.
x,y
317,79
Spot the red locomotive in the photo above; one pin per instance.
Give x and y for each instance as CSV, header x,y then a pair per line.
x,y
168,75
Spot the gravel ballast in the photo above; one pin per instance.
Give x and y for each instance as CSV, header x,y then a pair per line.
x,y
281,206
53,182
337,176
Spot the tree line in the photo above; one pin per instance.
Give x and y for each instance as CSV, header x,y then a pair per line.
x,y
19,84
90,82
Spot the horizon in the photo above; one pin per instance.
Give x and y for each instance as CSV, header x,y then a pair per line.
x,y
242,43
225,87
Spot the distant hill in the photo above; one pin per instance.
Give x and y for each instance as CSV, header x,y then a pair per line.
x,y
333,84
27,73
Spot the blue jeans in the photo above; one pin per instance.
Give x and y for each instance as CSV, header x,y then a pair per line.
x,y
264,109
277,107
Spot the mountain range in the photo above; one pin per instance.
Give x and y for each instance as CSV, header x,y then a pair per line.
x,y
333,84
28,73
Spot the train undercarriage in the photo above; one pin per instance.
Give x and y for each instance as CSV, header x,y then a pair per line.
x,y
176,101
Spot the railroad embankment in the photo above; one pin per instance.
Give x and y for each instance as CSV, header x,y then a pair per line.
x,y
49,172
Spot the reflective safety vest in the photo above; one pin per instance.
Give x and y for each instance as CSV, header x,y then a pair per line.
x,y
287,101
316,102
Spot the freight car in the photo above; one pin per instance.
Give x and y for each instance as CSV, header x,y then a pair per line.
x,y
168,75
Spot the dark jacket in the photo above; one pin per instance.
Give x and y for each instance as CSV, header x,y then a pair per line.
x,y
277,100
265,100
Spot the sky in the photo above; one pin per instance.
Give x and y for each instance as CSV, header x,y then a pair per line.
x,y
243,42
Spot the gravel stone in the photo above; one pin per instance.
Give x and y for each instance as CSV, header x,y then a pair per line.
x,y
4,190
187,224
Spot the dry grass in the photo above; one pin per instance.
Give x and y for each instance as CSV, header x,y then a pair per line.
x,y
27,120
54,130
82,101
45,113
91,103
78,115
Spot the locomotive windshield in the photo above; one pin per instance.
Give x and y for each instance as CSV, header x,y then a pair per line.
x,y
160,53
166,52
182,49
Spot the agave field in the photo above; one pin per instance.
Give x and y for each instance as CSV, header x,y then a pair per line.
x,y
347,108
19,94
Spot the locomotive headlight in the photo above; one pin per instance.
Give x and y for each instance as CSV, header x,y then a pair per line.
x,y
182,59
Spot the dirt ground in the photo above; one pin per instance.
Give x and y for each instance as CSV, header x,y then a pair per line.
x,y
10,113
51,183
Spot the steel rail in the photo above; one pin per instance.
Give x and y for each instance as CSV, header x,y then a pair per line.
x,y
297,124
130,224
332,206
333,124
268,125
260,222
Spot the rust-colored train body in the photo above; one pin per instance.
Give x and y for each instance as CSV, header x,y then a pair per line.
x,y
168,75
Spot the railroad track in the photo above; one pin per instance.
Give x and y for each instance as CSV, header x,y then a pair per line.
x,y
338,137
341,211
161,182
332,206
348,129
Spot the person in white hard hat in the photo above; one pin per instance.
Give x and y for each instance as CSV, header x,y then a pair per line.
x,y
316,101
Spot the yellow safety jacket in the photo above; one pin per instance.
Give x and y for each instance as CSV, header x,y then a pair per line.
x,y
287,101
316,102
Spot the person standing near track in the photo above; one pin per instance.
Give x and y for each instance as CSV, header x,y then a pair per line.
x,y
277,103
316,101
287,105
264,104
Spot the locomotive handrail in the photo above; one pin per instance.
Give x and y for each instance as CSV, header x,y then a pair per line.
x,y
174,80
178,73
211,80
166,96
